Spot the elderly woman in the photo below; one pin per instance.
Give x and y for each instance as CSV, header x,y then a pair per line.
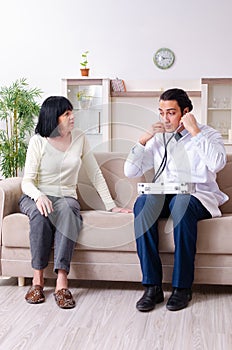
x,y
49,199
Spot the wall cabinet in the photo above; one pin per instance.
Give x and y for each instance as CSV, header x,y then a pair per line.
x,y
91,103
216,105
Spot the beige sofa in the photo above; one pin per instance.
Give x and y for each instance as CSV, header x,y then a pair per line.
x,y
106,248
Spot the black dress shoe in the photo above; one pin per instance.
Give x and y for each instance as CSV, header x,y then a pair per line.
x,y
152,295
179,299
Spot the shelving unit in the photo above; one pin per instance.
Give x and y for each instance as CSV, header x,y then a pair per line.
x,y
216,105
91,102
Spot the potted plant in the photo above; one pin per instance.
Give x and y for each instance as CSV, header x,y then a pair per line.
x,y
84,98
18,107
84,63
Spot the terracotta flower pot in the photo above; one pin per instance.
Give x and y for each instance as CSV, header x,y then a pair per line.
x,y
85,72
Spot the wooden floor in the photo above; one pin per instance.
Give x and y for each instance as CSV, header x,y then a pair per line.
x,y
105,318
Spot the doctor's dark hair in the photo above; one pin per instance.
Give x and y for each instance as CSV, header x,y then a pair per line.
x,y
52,108
178,95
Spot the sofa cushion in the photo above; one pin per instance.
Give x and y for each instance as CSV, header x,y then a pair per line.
x,y
106,230
213,235
101,230
114,231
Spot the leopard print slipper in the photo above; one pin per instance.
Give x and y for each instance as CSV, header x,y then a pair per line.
x,y
35,295
64,299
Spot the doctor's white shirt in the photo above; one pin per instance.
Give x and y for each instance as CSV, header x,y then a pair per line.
x,y
193,159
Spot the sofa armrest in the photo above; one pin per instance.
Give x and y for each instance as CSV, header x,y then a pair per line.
x,y
10,192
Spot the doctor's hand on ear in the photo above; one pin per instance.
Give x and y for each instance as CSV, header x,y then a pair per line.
x,y
190,124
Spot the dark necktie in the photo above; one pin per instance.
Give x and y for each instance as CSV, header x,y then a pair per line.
x,y
178,136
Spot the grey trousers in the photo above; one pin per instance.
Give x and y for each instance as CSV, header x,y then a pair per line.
x,y
60,228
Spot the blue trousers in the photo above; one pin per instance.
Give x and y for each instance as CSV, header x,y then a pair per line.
x,y
185,211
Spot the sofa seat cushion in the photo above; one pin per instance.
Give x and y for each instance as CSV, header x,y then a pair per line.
x,y
112,231
106,230
213,235
101,230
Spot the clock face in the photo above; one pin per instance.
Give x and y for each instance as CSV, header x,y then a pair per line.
x,y
164,58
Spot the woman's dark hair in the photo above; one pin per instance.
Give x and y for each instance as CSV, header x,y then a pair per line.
x,y
178,95
52,108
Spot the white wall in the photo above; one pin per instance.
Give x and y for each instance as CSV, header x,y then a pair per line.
x,y
43,40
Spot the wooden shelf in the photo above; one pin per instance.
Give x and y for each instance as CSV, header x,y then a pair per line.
x,y
219,109
148,93
84,81
216,81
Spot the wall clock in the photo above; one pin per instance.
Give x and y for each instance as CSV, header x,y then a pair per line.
x,y
164,58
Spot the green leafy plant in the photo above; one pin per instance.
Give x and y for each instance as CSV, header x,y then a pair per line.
x,y
18,107
84,58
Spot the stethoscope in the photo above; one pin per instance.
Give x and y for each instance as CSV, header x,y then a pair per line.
x,y
164,160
